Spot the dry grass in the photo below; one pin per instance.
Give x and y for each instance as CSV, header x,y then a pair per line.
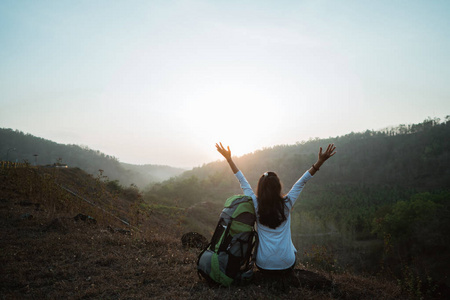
x,y
45,253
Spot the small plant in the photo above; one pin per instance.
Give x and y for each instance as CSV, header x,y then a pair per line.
x,y
319,256
415,285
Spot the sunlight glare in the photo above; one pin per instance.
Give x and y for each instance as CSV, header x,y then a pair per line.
x,y
231,118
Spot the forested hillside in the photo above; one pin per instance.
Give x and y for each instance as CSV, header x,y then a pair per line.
x,y
405,157
18,146
381,204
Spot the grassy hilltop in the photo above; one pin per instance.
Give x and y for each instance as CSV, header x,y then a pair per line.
x,y
46,253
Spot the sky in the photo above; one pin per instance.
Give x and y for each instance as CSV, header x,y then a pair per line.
x,y
160,82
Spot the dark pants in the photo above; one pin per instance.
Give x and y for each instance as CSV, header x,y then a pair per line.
x,y
280,280
277,272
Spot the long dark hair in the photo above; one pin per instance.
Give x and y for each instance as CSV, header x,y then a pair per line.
x,y
271,204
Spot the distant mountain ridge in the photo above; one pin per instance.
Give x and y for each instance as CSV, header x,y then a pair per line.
x,y
18,146
416,154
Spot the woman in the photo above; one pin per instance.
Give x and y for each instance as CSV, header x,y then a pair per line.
x,y
276,251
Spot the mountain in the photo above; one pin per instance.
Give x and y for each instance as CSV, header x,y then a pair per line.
x,y
18,146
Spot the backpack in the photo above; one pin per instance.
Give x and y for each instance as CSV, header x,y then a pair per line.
x,y
228,257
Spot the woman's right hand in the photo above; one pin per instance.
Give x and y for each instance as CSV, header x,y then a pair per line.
x,y
225,152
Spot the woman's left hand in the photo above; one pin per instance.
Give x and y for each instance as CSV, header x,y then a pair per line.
x,y
327,154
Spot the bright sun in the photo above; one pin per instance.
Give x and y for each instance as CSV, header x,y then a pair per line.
x,y
236,121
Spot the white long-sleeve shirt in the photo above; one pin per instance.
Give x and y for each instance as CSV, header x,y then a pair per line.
x,y
276,250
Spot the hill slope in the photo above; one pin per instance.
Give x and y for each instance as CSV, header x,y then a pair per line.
x,y
47,253
16,145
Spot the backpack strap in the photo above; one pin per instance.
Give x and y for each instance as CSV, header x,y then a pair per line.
x,y
216,236
255,246
223,243
252,261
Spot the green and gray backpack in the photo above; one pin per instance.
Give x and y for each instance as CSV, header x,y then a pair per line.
x,y
230,255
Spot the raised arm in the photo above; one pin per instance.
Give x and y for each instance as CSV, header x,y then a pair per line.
x,y
322,157
227,154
